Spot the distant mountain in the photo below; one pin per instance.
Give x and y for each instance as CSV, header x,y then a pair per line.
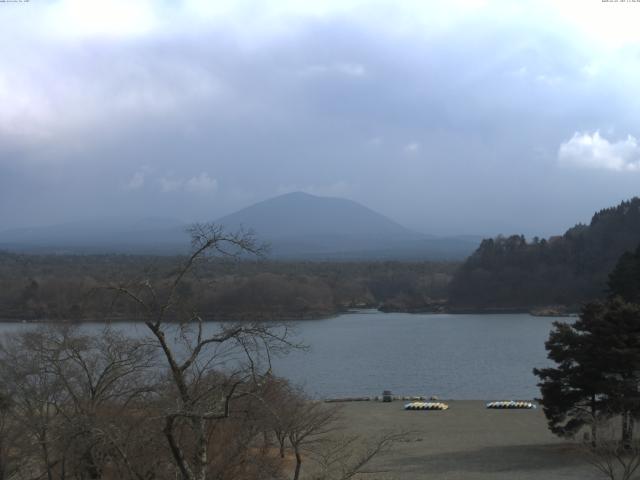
x,y
296,225
303,215
567,270
300,225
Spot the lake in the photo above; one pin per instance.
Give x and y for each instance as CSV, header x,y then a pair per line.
x,y
451,356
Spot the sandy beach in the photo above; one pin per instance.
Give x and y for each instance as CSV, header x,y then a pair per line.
x,y
467,441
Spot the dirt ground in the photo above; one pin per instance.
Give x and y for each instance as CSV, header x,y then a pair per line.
x,y
467,441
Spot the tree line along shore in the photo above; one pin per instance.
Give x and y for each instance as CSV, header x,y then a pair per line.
x,y
69,287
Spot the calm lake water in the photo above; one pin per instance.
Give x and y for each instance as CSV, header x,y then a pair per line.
x,y
452,356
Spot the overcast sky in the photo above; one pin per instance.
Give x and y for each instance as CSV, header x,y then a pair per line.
x,y
449,116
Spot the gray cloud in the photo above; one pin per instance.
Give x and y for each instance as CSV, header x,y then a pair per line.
x,y
446,119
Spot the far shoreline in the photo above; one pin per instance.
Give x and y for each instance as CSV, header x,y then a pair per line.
x,y
534,312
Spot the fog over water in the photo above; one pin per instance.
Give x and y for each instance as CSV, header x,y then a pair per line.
x,y
457,117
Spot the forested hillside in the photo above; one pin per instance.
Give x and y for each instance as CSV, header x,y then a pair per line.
x,y
513,273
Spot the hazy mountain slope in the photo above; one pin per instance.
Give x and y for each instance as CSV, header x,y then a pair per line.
x,y
302,215
148,235
300,225
296,225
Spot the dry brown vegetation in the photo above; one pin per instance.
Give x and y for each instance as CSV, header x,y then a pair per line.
x,y
66,287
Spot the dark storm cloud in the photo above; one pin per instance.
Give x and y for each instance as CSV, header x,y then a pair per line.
x,y
446,129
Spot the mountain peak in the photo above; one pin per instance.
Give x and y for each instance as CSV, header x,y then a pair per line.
x,y
297,225
297,193
300,214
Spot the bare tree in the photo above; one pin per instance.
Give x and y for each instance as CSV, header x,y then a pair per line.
x,y
201,397
311,429
616,459
345,457
277,407
308,425
74,396
37,397
11,440
103,376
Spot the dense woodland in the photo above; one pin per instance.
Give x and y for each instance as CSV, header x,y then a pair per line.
x,y
568,270
71,287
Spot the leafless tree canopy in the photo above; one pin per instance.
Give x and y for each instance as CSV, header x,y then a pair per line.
x,y
190,399
614,458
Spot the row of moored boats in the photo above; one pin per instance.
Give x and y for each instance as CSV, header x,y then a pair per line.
x,y
510,404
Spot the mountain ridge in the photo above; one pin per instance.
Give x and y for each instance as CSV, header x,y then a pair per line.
x,y
297,225
303,214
